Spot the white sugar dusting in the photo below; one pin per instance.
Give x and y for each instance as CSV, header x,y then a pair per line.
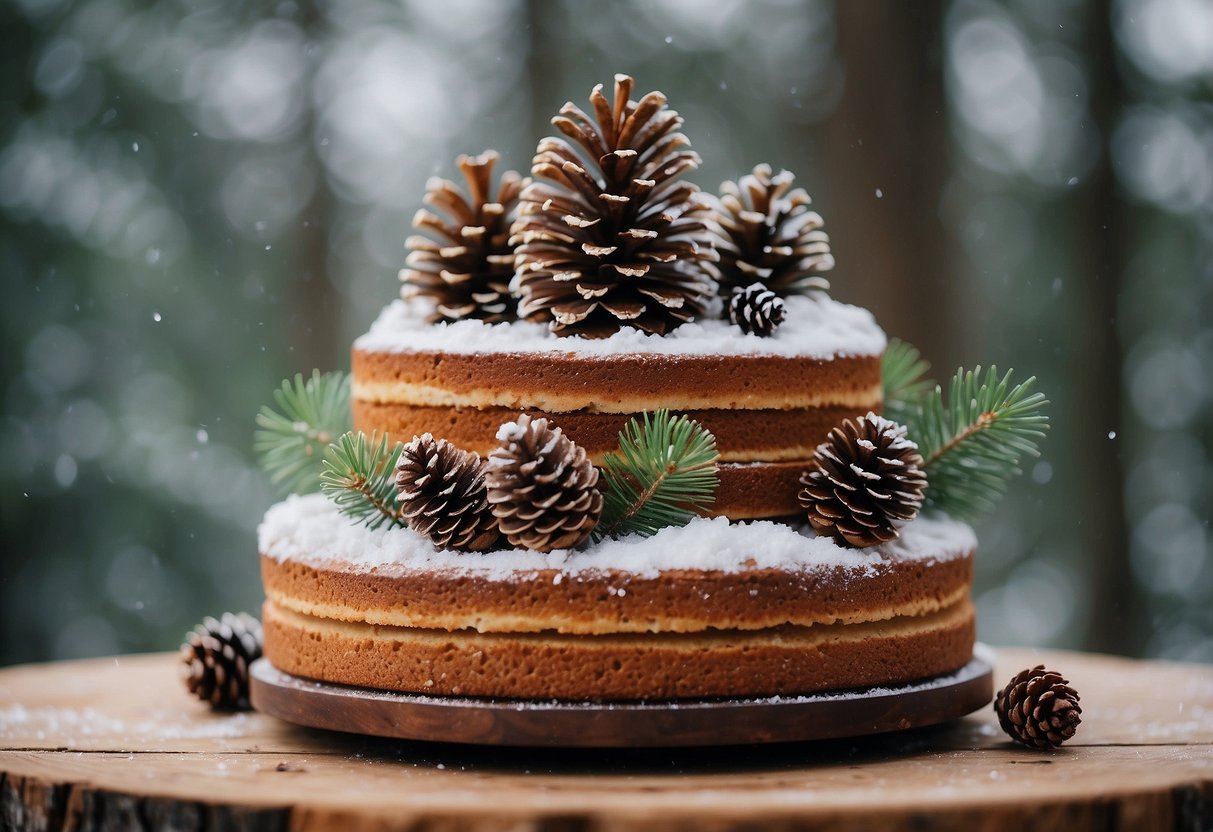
x,y
310,529
19,721
815,327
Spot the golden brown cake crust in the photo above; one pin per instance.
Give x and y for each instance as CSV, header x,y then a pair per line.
x,y
592,603
741,435
788,660
630,383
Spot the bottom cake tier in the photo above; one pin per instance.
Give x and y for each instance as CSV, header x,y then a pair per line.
x,y
713,609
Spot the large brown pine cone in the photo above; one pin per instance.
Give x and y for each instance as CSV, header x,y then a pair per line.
x,y
867,479
768,235
607,236
542,486
1038,708
443,496
215,659
464,262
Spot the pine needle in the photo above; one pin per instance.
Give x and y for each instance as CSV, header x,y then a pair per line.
x,y
903,373
663,474
359,476
292,440
972,445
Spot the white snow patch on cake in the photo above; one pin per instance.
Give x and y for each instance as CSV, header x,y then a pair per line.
x,y
311,530
815,327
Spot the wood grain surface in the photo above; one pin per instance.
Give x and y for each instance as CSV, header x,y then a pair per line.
x,y
117,744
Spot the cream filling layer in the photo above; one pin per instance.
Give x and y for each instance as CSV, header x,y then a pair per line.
x,y
564,400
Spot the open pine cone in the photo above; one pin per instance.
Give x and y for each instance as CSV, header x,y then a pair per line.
x,y
215,659
607,236
769,235
866,480
542,486
443,496
1038,708
466,262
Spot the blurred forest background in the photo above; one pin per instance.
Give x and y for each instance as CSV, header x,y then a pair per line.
x,y
201,197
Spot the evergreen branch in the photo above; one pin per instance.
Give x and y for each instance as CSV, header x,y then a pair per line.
x,y
292,439
359,476
972,445
663,474
903,379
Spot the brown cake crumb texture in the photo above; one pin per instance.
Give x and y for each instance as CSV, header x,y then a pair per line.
x,y
786,660
618,602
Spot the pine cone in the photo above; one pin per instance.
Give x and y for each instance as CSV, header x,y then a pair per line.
x,y
618,241
1038,708
769,235
866,480
216,656
756,309
542,486
443,496
466,262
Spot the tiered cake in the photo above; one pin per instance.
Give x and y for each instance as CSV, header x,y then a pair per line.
x,y
744,600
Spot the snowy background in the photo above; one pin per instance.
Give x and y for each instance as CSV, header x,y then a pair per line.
x,y
198,198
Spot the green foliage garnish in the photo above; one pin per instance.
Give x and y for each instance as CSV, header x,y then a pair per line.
x,y
292,440
972,445
359,476
903,374
663,474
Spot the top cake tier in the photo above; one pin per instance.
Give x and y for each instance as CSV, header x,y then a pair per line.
x,y
768,401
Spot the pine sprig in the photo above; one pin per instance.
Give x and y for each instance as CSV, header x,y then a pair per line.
x,y
359,476
663,474
972,445
292,439
903,374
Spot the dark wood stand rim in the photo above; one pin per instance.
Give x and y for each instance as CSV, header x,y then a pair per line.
x,y
561,724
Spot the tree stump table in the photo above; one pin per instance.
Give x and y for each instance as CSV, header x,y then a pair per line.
x,y
117,744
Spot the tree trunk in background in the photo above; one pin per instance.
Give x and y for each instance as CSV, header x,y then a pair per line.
x,y
548,30
314,307
1117,623
885,151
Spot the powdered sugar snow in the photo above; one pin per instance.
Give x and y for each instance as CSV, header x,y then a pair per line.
x,y
310,529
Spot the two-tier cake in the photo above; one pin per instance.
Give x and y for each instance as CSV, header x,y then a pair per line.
x,y
568,306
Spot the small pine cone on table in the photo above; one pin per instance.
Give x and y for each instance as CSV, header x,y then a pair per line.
x,y
866,480
465,262
607,234
755,309
1038,708
542,486
216,656
767,234
442,494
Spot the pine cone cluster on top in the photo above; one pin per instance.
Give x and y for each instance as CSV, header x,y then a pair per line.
x,y
607,235
216,656
543,488
1038,708
768,235
867,479
466,262
442,494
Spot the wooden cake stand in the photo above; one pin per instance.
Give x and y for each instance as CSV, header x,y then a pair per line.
x,y
622,725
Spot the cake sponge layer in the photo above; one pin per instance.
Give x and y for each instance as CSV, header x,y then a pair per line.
x,y
596,603
785,660
615,384
741,435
